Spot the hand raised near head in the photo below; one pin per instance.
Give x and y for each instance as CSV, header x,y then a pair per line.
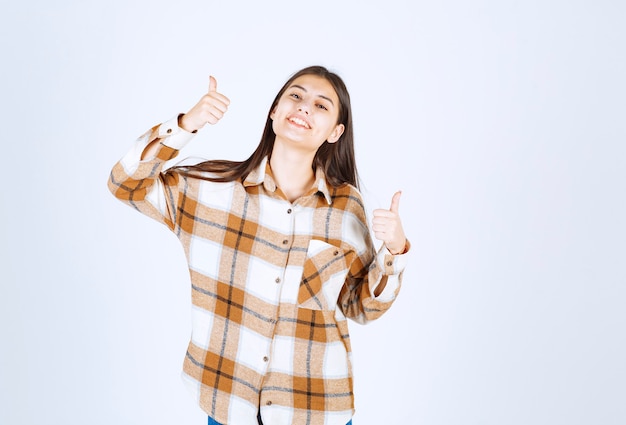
x,y
387,226
209,109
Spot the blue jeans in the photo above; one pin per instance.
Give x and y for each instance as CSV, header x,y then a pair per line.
x,y
212,422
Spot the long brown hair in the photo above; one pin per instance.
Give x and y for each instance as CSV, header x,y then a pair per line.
x,y
336,159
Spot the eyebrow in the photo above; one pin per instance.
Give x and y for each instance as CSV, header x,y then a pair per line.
x,y
319,95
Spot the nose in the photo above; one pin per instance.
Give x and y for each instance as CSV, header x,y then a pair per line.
x,y
304,108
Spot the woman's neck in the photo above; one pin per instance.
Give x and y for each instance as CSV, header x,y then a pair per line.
x,y
292,171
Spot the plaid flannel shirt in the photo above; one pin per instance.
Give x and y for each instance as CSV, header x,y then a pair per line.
x,y
272,285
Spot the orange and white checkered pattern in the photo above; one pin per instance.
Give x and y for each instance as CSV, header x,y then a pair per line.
x,y
272,285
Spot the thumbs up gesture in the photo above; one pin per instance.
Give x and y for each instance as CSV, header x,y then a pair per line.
x,y
387,226
209,109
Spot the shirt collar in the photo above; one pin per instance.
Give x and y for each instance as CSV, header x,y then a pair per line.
x,y
263,175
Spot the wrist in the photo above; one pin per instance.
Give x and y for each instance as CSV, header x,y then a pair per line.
x,y
183,122
400,251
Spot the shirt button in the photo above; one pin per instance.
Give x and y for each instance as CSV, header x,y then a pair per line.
x,y
169,130
285,242
268,403
336,253
389,263
289,211
265,359
277,280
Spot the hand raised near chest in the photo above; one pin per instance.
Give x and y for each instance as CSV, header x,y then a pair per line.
x,y
210,109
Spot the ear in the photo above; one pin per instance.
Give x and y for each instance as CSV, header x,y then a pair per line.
x,y
336,133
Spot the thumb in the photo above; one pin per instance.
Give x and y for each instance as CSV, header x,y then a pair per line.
x,y
395,202
212,83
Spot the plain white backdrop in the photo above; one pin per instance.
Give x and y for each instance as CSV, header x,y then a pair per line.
x,y
503,122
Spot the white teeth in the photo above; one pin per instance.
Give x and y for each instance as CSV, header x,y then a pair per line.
x,y
299,122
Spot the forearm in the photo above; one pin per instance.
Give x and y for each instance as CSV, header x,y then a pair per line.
x,y
371,289
137,180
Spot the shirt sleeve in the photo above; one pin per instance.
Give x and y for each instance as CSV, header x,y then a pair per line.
x,y
140,183
373,282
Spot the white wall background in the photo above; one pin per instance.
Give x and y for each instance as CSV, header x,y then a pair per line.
x,y
504,123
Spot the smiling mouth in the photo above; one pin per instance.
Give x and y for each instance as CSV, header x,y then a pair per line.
x,y
299,122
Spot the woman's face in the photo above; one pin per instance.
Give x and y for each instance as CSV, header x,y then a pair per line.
x,y
306,114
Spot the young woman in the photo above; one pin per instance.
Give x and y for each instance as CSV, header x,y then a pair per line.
x,y
279,254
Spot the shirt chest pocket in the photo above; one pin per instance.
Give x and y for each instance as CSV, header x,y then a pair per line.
x,y
323,276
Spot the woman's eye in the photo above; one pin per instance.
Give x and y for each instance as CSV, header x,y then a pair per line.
x,y
322,107
295,95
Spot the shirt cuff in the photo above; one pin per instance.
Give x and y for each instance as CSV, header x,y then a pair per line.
x,y
172,135
392,264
